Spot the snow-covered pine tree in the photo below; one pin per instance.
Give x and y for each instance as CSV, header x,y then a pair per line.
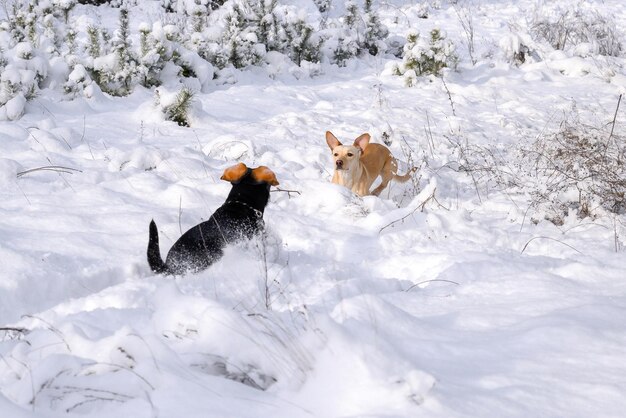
x,y
302,43
153,55
240,40
348,38
265,23
374,31
20,80
77,81
176,108
421,56
115,72
122,48
323,5
346,49
64,7
21,19
361,28
93,47
71,41
169,5
198,14
352,18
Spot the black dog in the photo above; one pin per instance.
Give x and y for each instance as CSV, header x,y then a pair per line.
x,y
241,216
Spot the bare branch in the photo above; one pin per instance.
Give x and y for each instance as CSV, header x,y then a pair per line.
x,y
433,280
278,189
553,239
55,168
419,207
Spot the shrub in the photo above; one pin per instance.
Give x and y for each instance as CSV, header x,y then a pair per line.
x,y
346,48
20,79
303,44
177,110
240,40
578,167
422,57
364,28
565,28
374,32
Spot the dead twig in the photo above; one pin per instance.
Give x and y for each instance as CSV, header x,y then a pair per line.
x,y
278,189
619,100
449,96
14,329
419,207
52,328
82,138
433,280
55,168
13,333
553,239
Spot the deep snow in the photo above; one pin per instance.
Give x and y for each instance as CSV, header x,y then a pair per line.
x,y
349,307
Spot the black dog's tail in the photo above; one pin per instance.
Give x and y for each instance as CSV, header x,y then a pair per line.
x,y
154,254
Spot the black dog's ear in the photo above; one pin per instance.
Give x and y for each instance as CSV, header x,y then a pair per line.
x,y
263,174
235,173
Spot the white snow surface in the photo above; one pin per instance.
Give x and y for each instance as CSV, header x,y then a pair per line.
x,y
394,306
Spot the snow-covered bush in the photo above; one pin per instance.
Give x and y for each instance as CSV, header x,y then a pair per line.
x,y
346,48
175,106
374,32
189,40
94,45
117,71
362,32
77,81
564,28
21,19
302,43
154,53
423,57
578,167
254,28
323,5
199,14
20,80
240,38
64,6
518,49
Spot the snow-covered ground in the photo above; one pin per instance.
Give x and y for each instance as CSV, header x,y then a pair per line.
x,y
434,300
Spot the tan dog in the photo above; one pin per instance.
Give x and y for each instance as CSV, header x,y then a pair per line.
x,y
358,165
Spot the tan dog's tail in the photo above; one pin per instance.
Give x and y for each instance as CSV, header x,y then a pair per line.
x,y
404,178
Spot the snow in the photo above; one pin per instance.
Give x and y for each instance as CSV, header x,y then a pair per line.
x,y
431,300
14,108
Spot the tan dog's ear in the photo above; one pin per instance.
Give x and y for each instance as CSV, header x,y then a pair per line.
x,y
263,174
362,141
332,140
235,173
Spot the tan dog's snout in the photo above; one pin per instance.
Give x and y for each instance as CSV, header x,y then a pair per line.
x,y
339,164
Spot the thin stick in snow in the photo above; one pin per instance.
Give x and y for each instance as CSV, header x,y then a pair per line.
x,y
56,168
553,239
419,207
